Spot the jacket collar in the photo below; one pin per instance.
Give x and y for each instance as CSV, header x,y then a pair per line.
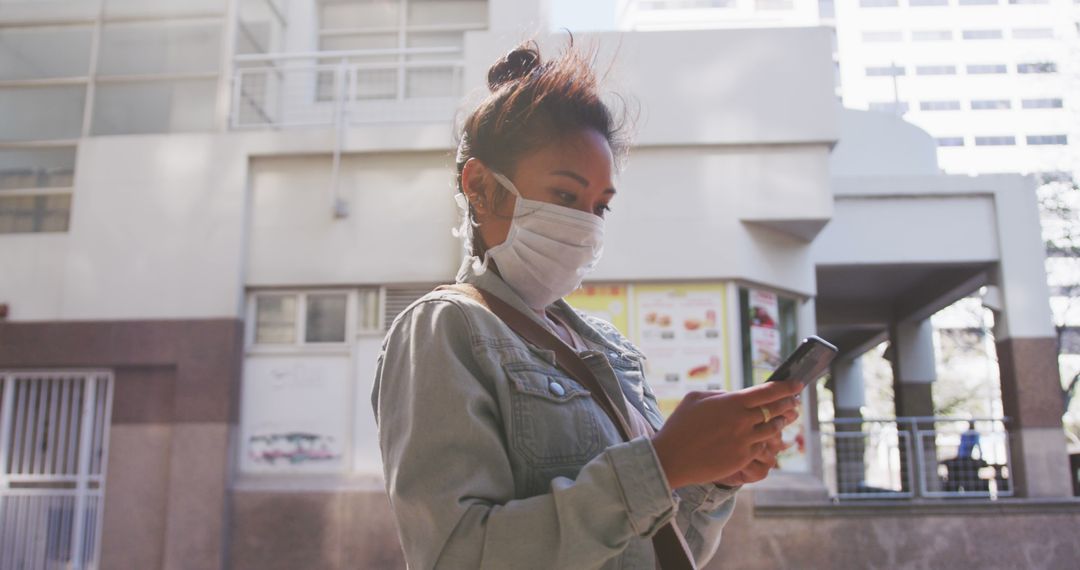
x,y
494,284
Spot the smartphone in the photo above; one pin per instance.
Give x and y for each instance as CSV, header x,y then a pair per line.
x,y
807,363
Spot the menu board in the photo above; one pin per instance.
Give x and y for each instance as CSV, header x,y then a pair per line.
x,y
608,302
680,328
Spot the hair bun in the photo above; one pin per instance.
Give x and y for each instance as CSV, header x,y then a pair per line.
x,y
514,65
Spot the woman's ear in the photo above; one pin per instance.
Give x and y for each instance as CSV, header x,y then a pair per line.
x,y
475,182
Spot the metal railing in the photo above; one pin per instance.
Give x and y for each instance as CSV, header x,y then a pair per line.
x,y
54,434
908,457
337,88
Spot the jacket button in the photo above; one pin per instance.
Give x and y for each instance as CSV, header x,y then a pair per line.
x,y
557,388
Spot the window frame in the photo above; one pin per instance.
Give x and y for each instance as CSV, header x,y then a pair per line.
x,y
358,301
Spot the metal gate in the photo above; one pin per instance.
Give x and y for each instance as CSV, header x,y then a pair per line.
x,y
54,441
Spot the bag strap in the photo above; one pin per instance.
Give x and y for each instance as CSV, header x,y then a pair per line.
x,y
670,546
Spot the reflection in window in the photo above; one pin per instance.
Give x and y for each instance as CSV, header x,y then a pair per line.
x,y
31,168
34,213
325,319
275,319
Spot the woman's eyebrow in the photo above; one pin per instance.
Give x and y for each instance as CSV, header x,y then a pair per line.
x,y
579,179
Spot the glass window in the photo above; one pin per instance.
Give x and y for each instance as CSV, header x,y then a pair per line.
x,y
995,141
28,168
982,34
923,3
359,14
990,104
898,107
950,141
325,319
1041,103
939,106
160,47
133,107
986,69
275,319
36,213
935,70
42,113
1029,1
163,7
759,316
882,36
978,2
446,12
931,35
774,4
1047,139
1042,67
1032,33
878,3
886,71
44,52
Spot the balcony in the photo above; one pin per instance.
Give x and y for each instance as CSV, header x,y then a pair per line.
x,y
916,457
346,88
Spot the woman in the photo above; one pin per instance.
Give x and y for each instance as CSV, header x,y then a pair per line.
x,y
494,455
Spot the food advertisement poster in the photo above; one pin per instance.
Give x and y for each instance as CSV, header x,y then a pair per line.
x,y
764,317
608,302
765,355
680,328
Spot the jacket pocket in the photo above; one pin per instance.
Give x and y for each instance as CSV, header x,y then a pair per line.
x,y
553,418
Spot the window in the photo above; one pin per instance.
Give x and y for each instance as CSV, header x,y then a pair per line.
x,y
939,106
42,113
35,168
882,36
990,104
931,35
1029,1
982,34
978,2
950,141
325,317
774,4
884,71
896,108
44,52
924,3
1032,33
1041,103
995,141
293,319
275,319
878,3
1042,67
987,69
1038,140
34,213
935,70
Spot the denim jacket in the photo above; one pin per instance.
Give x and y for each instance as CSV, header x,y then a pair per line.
x,y
495,458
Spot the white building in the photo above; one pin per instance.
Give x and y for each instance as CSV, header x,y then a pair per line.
x,y
214,209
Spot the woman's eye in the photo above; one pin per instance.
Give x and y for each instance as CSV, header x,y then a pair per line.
x,y
565,198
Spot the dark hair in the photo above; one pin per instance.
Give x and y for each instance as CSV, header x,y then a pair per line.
x,y
533,103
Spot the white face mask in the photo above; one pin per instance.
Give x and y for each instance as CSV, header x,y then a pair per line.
x,y
549,249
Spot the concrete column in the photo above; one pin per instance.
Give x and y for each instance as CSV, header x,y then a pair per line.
x,y
914,366
849,395
806,324
1027,349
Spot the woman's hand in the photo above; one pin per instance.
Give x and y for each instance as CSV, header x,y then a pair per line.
x,y
722,436
761,465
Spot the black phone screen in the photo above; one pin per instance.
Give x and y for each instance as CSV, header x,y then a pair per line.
x,y
807,363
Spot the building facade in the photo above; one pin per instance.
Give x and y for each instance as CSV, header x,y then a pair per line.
x,y
214,209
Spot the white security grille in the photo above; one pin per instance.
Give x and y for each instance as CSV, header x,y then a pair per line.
x,y
54,434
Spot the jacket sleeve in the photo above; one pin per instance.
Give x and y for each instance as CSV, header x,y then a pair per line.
x,y
449,478
702,513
